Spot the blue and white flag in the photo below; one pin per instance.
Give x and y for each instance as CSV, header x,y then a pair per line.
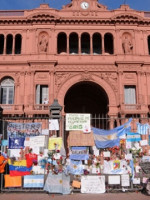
x,y
16,143
59,183
75,168
79,153
110,138
133,137
142,128
33,181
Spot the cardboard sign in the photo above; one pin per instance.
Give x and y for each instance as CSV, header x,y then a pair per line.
x,y
93,184
78,122
125,180
113,180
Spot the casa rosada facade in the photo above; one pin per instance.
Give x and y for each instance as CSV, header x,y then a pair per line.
x,y
89,58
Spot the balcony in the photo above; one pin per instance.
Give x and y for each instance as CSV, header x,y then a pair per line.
x,y
12,109
131,108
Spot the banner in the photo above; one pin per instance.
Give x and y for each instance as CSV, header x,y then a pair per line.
x,y
78,122
38,141
133,137
59,183
142,128
4,143
24,129
75,167
55,143
33,181
16,143
12,181
93,184
53,125
79,153
110,138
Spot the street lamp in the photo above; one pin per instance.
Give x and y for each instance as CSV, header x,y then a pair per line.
x,y
55,110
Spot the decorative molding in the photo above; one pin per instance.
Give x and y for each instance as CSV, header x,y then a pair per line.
x,y
42,76
86,76
90,68
60,78
110,78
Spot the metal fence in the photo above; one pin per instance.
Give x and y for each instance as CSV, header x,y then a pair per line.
x,y
99,121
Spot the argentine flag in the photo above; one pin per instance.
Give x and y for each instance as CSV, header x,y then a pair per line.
x,y
110,138
34,181
143,128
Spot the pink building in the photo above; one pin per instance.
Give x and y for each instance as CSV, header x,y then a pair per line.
x,y
91,59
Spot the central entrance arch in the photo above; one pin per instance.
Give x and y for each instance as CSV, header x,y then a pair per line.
x,y
86,97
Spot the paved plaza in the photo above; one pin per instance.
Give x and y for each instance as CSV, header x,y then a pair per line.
x,y
76,196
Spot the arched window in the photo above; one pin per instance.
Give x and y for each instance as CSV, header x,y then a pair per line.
x,y
73,43
97,43
1,43
85,43
18,41
108,43
148,41
62,43
7,91
9,44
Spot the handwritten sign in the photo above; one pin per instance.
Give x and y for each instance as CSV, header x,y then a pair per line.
x,y
125,180
78,122
113,180
93,184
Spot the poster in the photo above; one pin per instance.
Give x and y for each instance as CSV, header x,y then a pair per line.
x,y
125,180
23,129
78,122
93,184
114,180
33,181
38,141
55,143
53,125
16,143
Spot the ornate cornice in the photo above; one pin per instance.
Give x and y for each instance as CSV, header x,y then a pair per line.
x,y
51,18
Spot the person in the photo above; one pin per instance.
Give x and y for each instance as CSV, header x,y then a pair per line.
x,y
45,101
127,45
3,162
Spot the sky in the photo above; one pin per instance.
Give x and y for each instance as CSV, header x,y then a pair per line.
x,y
143,5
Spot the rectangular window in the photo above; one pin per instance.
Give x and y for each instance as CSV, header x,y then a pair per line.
x,y
41,94
7,95
130,94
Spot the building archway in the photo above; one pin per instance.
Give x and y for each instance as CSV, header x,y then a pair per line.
x,y
86,97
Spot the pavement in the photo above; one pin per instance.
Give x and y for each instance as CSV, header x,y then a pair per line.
x,y
75,196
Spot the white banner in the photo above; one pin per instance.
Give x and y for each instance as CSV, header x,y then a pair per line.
x,y
53,125
113,180
125,180
37,141
80,122
93,184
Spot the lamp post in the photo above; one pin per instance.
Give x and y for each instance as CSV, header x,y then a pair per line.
x,y
55,110
55,113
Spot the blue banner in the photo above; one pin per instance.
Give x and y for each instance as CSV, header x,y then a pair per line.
x,y
110,138
142,128
133,137
33,181
4,142
59,183
75,168
16,143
